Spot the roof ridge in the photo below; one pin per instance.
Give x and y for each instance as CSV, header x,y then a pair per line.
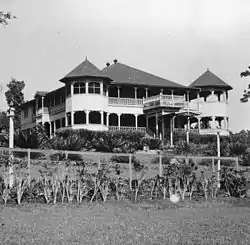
x,y
147,73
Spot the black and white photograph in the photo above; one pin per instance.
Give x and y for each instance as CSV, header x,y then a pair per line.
x,y
124,122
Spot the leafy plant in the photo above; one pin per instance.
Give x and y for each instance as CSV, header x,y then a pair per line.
x,y
101,183
108,142
184,148
233,181
21,183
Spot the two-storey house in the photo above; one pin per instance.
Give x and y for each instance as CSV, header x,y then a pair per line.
x,y
121,98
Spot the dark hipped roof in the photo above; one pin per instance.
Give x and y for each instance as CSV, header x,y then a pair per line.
x,y
85,69
123,74
208,79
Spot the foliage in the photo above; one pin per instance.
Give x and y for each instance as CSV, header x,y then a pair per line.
x,y
14,95
72,140
33,138
4,122
122,159
246,93
233,181
5,17
108,142
184,148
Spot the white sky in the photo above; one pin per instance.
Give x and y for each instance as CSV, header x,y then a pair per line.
x,y
176,39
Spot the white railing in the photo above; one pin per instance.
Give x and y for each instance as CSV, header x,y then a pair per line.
x,y
127,128
165,97
125,101
164,100
205,131
42,111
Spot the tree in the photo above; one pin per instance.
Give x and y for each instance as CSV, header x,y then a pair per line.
x,y
4,122
5,17
246,94
15,96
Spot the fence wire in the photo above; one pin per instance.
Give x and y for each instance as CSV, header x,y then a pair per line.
x,y
36,160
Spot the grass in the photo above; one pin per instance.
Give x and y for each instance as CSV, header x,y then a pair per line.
x,y
152,222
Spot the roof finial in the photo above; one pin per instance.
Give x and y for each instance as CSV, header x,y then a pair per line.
x,y
86,57
207,69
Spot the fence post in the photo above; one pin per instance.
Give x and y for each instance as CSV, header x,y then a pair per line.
x,y
237,163
160,165
213,169
218,173
130,171
99,160
28,166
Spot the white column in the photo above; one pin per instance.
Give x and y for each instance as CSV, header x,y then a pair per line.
x,y
54,122
107,120
135,92
119,120
199,123
42,109
188,129
156,122
136,121
107,93
171,131
198,101
87,87
71,89
72,118
146,89
66,120
101,117
212,94
50,129
118,91
87,116
101,88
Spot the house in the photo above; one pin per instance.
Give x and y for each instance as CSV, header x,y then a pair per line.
x,y
122,98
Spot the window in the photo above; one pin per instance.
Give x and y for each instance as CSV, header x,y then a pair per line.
x,y
79,88
26,112
94,88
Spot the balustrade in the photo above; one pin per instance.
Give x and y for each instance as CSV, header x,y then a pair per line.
x,y
127,128
125,101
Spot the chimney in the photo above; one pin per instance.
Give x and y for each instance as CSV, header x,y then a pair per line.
x,y
107,64
115,61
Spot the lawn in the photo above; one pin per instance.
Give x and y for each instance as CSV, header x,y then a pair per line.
x,y
152,222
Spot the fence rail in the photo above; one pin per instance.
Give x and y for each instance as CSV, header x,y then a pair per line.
x,y
153,161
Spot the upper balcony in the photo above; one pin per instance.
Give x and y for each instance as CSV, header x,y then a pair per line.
x,y
174,101
125,102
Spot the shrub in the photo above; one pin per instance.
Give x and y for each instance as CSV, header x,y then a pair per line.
x,y
184,148
154,144
233,182
32,138
122,159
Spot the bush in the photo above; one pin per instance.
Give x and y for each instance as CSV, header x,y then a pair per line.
x,y
122,159
154,144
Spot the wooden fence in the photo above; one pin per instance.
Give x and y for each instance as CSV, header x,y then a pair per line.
x,y
98,156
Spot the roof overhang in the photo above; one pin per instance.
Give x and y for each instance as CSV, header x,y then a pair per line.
x,y
70,79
